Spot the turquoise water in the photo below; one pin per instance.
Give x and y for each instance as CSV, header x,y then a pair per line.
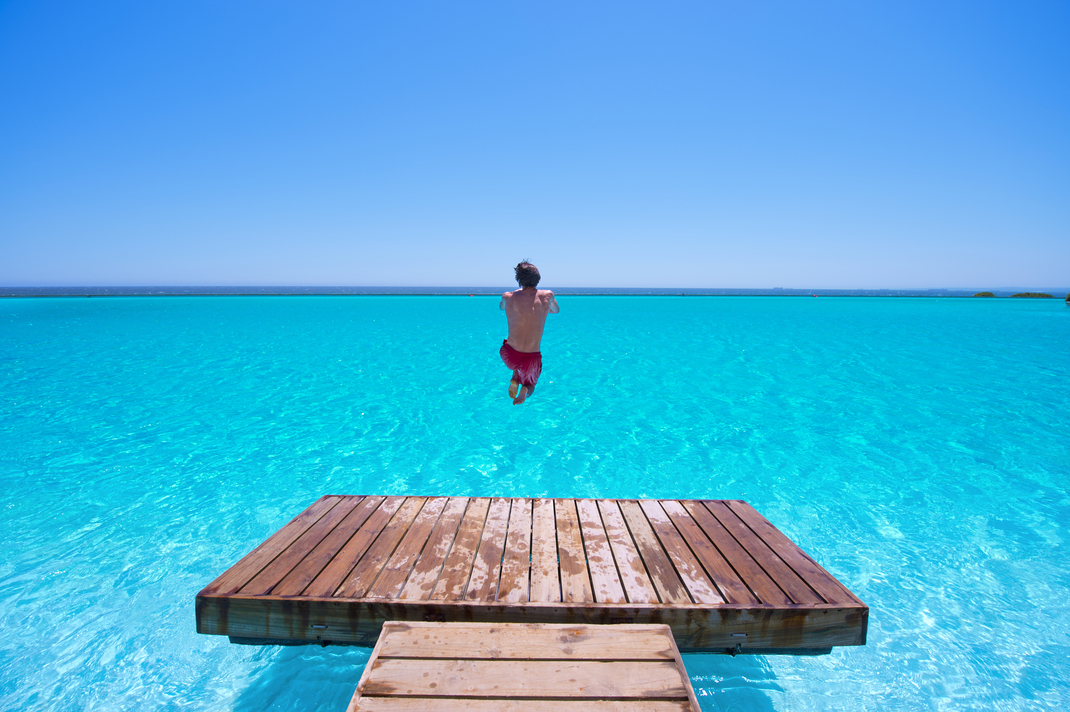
x,y
917,448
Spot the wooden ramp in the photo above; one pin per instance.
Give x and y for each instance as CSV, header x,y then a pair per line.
x,y
496,667
716,572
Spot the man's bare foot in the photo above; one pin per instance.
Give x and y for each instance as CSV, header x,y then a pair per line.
x,y
513,385
524,393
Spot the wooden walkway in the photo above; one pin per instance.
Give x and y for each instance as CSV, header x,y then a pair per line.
x,y
497,667
717,572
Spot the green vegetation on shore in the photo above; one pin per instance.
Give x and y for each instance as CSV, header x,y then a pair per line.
x,y
1033,295
984,294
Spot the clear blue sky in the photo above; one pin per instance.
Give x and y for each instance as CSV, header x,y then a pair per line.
x,y
824,145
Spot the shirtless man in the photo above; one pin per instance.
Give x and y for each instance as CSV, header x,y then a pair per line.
x,y
526,309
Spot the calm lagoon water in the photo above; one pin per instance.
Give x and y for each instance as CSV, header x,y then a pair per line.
x,y
917,448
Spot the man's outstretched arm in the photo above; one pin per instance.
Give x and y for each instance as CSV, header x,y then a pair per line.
x,y
554,308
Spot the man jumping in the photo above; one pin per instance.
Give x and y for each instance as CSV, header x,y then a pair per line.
x,y
526,310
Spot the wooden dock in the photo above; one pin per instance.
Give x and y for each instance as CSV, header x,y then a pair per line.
x,y
720,575
497,667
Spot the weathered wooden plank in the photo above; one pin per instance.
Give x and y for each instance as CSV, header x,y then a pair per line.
x,y
809,570
429,567
525,678
605,581
452,583
451,704
294,583
528,642
401,562
670,588
231,580
572,559
727,581
752,575
516,565
372,563
545,577
487,567
689,569
780,572
328,580
637,584
701,628
274,572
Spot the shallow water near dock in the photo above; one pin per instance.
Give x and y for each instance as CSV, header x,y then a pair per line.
x,y
917,448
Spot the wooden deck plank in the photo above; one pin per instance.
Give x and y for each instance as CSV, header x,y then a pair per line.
x,y
728,582
528,642
633,574
516,564
809,570
429,566
273,573
545,575
371,564
487,567
523,678
780,572
698,584
231,580
332,576
752,575
458,566
571,558
445,704
403,560
605,580
346,565
670,588
295,582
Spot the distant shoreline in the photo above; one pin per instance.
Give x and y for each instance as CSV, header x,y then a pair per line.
x,y
22,292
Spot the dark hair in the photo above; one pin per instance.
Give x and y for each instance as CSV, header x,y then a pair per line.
x,y
527,274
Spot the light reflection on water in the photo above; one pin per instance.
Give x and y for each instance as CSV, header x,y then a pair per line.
x,y
913,446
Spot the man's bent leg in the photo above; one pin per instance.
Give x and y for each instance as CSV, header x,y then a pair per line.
x,y
525,391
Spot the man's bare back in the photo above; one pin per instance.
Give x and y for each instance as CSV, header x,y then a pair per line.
x,y
526,310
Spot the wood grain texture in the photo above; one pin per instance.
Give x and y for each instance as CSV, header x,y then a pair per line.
x,y
372,563
662,573
445,704
428,568
717,572
605,581
458,566
526,678
438,665
487,566
687,567
274,572
750,572
400,564
633,574
809,570
545,576
519,641
302,575
571,558
780,572
516,564
328,580
728,582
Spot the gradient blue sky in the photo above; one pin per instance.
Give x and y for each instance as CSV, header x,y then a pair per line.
x,y
820,144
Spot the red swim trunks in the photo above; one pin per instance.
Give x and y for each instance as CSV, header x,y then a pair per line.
x,y
526,365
